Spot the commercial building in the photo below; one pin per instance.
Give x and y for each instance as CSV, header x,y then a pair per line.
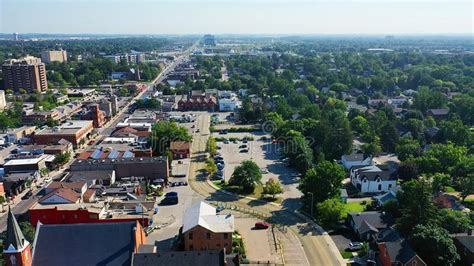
x,y
87,244
54,56
15,183
152,167
3,101
96,115
180,149
28,73
228,105
204,229
209,40
27,164
21,134
40,117
132,58
74,131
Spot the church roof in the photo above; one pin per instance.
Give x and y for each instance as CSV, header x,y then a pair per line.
x,y
15,239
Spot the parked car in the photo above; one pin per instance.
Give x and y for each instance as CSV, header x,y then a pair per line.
x,y
244,151
223,132
197,130
242,146
261,225
220,166
220,208
226,141
355,246
27,195
263,171
180,162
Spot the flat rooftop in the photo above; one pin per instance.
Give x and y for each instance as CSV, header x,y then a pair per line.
x,y
24,161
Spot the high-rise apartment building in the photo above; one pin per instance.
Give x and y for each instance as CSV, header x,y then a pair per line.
x,y
54,56
28,73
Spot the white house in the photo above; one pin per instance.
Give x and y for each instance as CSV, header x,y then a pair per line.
x,y
228,104
398,101
355,160
373,179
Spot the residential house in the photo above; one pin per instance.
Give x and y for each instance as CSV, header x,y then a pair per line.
x,y
438,114
374,179
395,250
355,160
366,225
448,201
465,247
204,229
383,198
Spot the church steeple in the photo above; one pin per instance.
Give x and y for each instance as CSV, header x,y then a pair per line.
x,y
17,250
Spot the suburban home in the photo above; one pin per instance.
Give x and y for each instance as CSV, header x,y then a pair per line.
x,y
383,198
374,178
204,229
355,160
180,149
395,250
465,247
438,114
448,201
366,225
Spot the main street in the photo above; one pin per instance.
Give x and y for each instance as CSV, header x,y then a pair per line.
x,y
318,248
21,206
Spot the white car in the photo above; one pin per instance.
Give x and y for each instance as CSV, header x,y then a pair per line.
x,y
355,245
263,171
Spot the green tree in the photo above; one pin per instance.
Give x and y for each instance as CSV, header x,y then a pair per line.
x,y
324,181
416,204
163,133
389,137
408,148
407,171
61,159
441,158
434,245
211,167
329,212
360,125
211,146
272,187
467,186
454,221
247,175
337,135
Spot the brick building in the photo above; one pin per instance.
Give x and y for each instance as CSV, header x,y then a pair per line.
x,y
74,131
28,73
197,103
180,149
204,229
97,116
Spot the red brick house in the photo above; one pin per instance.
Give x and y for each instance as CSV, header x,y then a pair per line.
x,y
395,250
180,149
197,103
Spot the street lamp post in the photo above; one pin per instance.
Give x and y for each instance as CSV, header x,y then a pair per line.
x,y
312,198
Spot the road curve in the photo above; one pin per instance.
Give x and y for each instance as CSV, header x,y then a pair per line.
x,y
319,249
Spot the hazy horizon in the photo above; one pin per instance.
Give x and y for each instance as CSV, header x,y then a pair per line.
x,y
251,17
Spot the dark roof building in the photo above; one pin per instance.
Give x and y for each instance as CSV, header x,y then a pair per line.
x,y
87,244
465,247
395,250
17,249
367,224
173,258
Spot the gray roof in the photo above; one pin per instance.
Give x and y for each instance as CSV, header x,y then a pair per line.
x,y
84,244
204,215
398,248
391,195
372,172
467,242
439,111
174,258
15,239
370,221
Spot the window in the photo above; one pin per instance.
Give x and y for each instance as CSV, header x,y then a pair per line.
x,y
208,235
389,186
380,186
190,236
226,236
413,263
191,247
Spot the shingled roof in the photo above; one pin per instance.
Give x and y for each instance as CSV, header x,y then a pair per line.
x,y
15,240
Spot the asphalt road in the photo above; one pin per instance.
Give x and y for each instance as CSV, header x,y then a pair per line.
x,y
318,248
23,205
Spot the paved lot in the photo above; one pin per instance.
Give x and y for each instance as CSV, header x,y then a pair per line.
x,y
265,154
259,244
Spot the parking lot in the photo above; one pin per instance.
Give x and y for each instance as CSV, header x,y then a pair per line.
x,y
265,155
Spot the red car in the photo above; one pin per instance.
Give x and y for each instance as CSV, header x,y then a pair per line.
x,y
262,225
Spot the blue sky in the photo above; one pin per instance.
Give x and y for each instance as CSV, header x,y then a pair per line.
x,y
237,16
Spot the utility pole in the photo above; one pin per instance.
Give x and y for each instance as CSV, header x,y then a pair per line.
x,y
312,198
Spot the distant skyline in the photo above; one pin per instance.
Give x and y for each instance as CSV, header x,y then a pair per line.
x,y
236,17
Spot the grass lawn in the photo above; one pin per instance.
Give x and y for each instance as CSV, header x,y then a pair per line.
x,y
449,189
357,206
257,193
347,254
